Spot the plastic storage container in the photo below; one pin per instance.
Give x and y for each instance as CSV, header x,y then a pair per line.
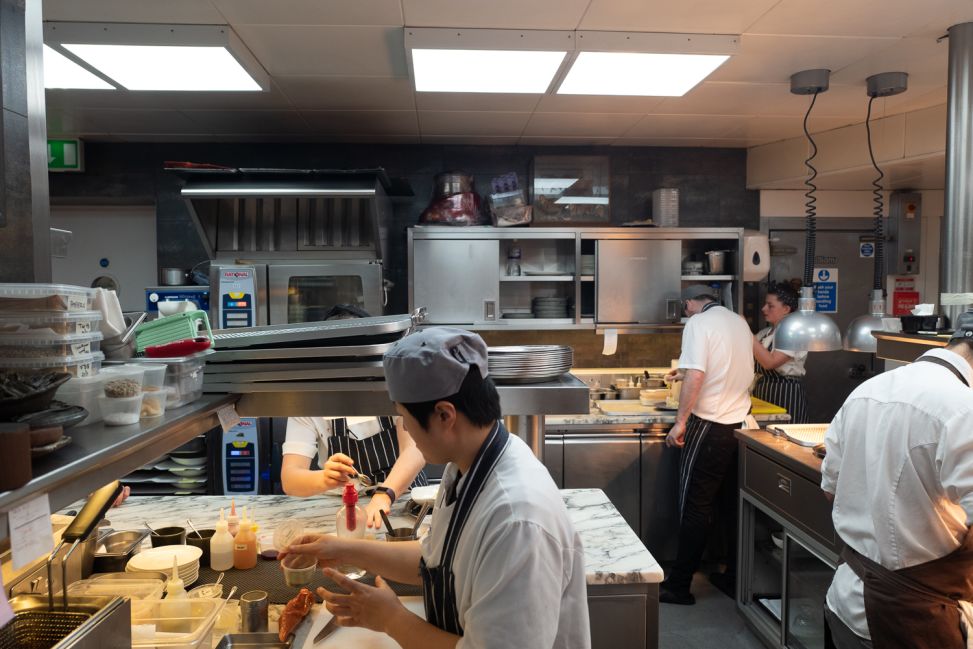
x,y
123,380
172,328
45,297
120,411
184,377
50,322
153,403
33,345
83,391
132,588
80,365
163,623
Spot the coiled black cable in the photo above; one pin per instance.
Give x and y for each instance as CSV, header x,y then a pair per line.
x,y
810,205
879,205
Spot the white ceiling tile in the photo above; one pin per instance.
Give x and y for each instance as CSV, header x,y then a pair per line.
x,y
257,122
316,51
913,99
311,12
272,98
773,59
693,16
472,123
366,93
596,104
496,14
685,126
590,125
362,122
476,101
561,140
858,18
94,120
720,98
505,140
133,11
731,143
924,59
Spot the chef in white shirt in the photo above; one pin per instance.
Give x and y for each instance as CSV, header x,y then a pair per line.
x,y
716,368
502,565
899,464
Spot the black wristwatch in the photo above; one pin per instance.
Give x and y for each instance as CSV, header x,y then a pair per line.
x,y
387,491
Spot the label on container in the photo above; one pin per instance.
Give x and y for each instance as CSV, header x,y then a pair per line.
x,y
84,369
82,327
80,348
228,417
77,302
241,548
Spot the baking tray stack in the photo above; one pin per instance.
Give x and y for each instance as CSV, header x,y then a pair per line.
x,y
257,358
529,363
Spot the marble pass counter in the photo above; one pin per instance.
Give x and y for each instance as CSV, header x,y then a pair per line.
x,y
622,575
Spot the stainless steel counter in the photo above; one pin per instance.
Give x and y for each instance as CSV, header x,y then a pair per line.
x,y
906,347
797,458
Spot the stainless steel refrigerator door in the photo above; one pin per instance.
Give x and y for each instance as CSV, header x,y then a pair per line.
x,y
304,292
634,278
475,298
606,461
660,495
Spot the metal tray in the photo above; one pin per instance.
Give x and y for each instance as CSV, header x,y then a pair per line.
x,y
284,353
290,333
295,366
297,386
238,378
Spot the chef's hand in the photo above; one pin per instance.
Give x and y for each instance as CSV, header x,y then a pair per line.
x,y
324,547
365,606
126,492
673,375
677,435
379,502
337,471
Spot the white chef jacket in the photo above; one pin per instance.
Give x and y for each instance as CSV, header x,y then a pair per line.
x,y
794,366
308,436
719,343
900,464
519,565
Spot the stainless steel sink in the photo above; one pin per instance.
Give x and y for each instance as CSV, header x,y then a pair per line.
x,y
86,623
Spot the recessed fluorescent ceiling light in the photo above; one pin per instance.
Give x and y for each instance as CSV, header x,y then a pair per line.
x,y
62,72
167,67
523,71
638,73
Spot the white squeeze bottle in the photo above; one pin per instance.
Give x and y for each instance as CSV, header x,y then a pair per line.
x,y
221,547
350,523
233,523
178,609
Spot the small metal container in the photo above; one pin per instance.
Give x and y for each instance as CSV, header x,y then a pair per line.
x,y
119,548
253,611
174,276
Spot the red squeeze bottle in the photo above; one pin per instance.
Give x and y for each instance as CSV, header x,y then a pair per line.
x,y
350,499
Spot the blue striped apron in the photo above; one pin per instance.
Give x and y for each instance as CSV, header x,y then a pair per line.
x,y
374,456
439,585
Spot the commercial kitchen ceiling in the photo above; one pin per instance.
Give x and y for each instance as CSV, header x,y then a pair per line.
x,y
339,73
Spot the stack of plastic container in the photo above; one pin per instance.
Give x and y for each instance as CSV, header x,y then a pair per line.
x,y
52,327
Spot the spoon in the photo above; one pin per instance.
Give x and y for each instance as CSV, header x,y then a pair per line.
x,y
193,527
150,528
388,523
422,514
220,578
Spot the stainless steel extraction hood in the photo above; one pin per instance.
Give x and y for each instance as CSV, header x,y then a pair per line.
x,y
289,213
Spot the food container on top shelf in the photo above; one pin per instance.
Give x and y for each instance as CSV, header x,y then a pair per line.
x,y
43,345
78,365
184,377
120,411
153,390
45,297
50,322
83,391
123,380
183,623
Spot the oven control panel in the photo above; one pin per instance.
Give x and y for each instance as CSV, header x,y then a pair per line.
x,y
240,454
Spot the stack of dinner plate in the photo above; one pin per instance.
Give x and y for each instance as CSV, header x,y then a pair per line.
x,y
549,307
160,560
529,363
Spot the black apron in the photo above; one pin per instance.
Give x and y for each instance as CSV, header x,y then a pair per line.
x,y
784,391
916,607
373,456
439,586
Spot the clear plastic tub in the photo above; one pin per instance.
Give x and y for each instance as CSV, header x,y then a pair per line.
x,y
120,411
184,377
184,623
154,377
50,322
81,365
123,380
132,588
153,403
83,391
45,297
32,345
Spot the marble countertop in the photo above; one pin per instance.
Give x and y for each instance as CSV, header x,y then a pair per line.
x,y
614,554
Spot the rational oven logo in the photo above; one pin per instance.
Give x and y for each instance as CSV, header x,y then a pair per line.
x,y
235,274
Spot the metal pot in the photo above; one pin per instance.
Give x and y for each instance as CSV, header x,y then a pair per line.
x,y
174,276
601,394
452,182
628,392
716,260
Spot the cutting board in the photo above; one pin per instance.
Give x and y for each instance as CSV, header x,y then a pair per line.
x,y
349,637
617,407
761,407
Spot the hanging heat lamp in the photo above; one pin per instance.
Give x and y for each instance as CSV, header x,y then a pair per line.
x,y
858,337
806,330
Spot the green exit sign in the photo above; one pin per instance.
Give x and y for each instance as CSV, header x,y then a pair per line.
x,y
65,155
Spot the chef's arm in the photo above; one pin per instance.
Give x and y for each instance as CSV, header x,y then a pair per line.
x,y
396,561
406,467
692,383
413,632
297,478
769,360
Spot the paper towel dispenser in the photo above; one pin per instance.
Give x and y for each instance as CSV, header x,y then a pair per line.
x,y
756,256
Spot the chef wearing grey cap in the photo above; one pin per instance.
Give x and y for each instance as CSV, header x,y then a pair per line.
x,y
502,565
899,465
716,367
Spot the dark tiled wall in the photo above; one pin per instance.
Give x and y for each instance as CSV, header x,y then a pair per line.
x,y
712,183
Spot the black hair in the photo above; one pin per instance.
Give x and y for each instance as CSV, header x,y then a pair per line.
x,y
785,294
345,311
477,399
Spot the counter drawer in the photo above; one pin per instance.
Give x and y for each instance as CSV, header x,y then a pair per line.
x,y
796,498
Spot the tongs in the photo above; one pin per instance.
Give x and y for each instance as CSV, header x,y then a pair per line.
x,y
78,531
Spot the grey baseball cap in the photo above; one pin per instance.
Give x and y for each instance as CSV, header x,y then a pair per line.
x,y
432,363
696,291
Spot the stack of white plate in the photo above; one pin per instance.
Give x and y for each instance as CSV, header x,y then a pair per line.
x,y
529,363
160,560
549,307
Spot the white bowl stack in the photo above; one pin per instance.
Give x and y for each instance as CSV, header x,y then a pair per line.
x,y
160,560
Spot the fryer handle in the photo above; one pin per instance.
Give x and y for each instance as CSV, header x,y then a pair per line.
x,y
93,511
